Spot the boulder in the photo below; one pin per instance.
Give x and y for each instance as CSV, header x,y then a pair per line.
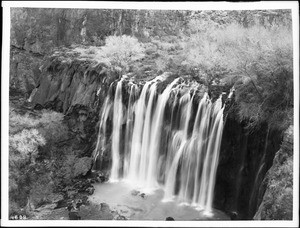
x,y
170,219
90,190
82,166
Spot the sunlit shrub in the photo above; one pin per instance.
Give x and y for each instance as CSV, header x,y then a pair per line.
x,y
48,123
121,51
52,127
25,145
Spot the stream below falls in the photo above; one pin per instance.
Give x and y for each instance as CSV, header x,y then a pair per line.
x,y
134,205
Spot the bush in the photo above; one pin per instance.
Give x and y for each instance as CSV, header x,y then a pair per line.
x,y
47,123
119,52
24,146
52,126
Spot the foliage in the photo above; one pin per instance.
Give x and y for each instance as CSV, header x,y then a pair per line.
x,y
262,67
120,52
24,146
47,123
257,61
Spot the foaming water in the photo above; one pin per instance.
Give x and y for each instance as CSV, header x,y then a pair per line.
x,y
136,204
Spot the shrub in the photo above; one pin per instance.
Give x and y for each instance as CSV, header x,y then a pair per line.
x,y
47,123
24,145
52,127
119,52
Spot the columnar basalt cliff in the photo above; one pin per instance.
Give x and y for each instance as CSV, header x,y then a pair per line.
x,y
78,88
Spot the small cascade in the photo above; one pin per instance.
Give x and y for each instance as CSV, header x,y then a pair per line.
x,y
101,141
172,139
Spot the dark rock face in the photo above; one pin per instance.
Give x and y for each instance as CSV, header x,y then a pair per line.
x,y
64,84
245,157
276,193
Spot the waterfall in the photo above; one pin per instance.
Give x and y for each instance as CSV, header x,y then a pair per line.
x,y
172,139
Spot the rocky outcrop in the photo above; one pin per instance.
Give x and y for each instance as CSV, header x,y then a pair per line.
x,y
276,193
64,83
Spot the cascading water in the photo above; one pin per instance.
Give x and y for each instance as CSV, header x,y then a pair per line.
x,y
172,140
101,141
129,126
117,124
